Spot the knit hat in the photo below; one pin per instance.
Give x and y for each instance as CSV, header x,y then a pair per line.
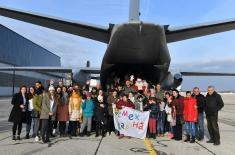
x,y
51,88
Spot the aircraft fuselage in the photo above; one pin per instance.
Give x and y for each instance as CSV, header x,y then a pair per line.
x,y
136,48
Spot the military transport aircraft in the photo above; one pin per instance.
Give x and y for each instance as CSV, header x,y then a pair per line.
x,y
134,47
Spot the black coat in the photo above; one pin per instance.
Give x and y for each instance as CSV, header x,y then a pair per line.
x,y
214,103
100,113
17,115
200,103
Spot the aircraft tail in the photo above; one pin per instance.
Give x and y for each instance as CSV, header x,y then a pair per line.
x,y
134,11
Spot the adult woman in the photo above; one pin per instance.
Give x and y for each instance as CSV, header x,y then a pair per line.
x,y
178,102
63,112
48,113
100,113
111,101
18,112
29,109
55,122
74,111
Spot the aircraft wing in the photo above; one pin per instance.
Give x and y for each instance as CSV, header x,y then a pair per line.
x,y
174,34
97,33
38,69
206,74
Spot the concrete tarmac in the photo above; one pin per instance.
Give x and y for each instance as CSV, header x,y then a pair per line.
x,y
111,145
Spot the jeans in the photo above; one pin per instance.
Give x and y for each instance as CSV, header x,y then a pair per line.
x,y
190,128
36,126
161,122
28,122
87,121
200,126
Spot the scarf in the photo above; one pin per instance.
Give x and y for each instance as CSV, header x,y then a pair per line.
x,y
75,96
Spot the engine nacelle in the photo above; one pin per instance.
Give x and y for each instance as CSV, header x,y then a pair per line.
x,y
172,81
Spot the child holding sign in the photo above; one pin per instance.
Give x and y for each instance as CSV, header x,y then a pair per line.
x,y
124,102
153,108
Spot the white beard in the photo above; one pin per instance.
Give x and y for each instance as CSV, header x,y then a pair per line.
x,y
140,85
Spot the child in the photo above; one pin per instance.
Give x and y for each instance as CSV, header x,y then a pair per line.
x,y
161,119
171,116
124,102
87,112
190,116
153,108
139,103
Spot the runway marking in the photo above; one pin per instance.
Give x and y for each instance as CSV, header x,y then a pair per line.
x,y
97,149
149,147
205,148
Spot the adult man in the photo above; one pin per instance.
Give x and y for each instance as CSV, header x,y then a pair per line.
x,y
200,108
37,107
214,103
128,88
159,92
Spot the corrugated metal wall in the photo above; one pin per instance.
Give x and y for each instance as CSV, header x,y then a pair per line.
x,y
19,51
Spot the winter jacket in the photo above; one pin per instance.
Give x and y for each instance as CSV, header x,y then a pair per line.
x,y
154,110
127,90
46,107
190,109
110,101
100,112
200,102
121,103
88,108
62,110
160,95
179,105
74,107
17,115
214,103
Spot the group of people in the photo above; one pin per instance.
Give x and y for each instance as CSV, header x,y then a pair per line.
x,y
81,110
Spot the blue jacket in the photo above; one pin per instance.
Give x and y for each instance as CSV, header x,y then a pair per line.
x,y
88,108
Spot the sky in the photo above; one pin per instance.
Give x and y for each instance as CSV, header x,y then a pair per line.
x,y
214,53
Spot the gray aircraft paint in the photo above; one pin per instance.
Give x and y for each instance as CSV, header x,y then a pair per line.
x,y
135,46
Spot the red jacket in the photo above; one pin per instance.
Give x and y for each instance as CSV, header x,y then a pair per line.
x,y
136,88
121,103
190,109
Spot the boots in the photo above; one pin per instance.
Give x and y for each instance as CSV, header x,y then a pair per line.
x,y
88,134
154,136
18,137
81,134
192,140
27,136
187,138
13,137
